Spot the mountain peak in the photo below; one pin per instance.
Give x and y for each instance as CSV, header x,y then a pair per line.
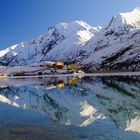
x,y
137,9
75,26
132,17
124,21
78,30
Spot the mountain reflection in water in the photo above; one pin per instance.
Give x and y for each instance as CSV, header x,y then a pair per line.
x,y
100,108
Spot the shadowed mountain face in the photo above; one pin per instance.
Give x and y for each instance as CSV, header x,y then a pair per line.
x,y
86,107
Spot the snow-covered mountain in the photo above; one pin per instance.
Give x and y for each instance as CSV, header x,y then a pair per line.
x,y
62,42
116,46
124,22
113,47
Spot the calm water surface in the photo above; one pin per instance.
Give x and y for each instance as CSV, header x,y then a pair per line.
x,y
70,108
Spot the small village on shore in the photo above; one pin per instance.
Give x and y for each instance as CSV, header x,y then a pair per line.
x,y
42,68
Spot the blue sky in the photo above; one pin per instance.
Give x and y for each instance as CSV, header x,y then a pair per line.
x,y
24,20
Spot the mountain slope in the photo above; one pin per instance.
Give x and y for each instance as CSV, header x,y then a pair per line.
x,y
62,42
124,22
116,46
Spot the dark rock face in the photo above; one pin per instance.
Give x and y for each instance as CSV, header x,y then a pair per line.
x,y
111,63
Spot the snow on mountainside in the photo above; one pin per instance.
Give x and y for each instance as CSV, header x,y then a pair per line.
x,y
116,46
113,47
62,42
124,21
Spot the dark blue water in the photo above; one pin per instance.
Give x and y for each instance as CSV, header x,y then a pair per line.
x,y
70,108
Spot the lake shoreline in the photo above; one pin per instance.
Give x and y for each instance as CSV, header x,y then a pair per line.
x,y
77,74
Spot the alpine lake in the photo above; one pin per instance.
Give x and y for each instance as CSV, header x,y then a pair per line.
x,y
70,108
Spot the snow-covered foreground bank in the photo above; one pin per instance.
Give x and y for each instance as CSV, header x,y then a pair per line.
x,y
43,68
45,71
